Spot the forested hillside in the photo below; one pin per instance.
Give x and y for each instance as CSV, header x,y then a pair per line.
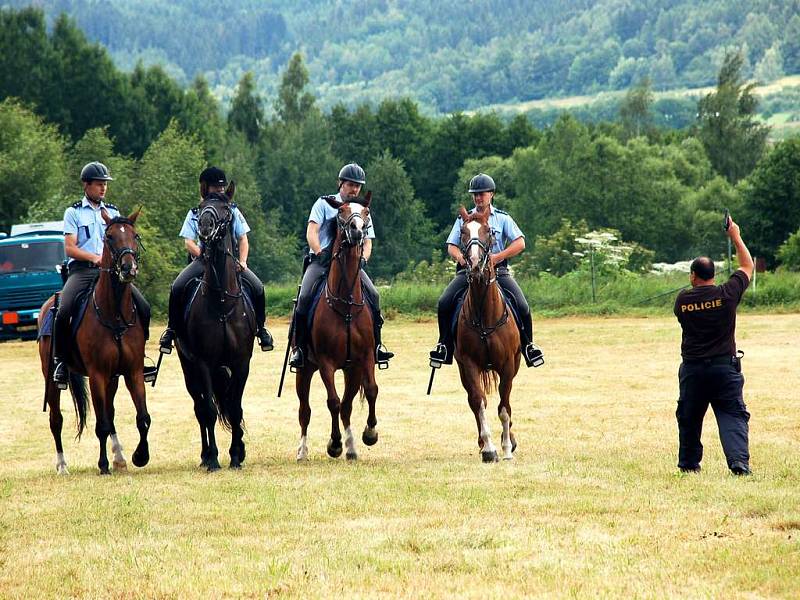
x,y
446,55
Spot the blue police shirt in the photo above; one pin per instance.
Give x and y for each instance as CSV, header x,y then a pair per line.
x,y
189,228
87,224
322,213
504,228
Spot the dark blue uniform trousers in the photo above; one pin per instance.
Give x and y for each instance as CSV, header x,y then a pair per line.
x,y
719,385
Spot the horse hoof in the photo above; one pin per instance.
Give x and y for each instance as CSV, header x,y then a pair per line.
x,y
513,443
212,465
352,456
334,450
370,437
122,465
140,459
489,457
212,468
105,471
62,470
236,466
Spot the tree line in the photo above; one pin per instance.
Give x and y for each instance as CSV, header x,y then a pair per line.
x,y
662,189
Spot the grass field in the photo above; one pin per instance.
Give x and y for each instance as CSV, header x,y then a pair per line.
x,y
590,506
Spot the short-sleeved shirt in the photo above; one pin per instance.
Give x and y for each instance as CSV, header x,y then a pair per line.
x,y
86,223
324,215
189,228
707,315
504,228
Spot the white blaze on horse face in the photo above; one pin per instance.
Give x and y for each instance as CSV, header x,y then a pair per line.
x,y
358,213
122,228
474,229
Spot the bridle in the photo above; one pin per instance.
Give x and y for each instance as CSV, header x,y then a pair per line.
x,y
485,247
117,254
119,327
344,227
220,228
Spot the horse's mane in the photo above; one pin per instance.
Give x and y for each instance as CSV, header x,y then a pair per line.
x,y
219,196
121,221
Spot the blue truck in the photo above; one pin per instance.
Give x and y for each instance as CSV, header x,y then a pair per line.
x,y
31,259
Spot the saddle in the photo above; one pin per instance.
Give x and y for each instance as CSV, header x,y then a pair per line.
x,y
508,300
193,287
78,311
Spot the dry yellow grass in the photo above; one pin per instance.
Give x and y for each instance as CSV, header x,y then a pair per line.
x,y
591,505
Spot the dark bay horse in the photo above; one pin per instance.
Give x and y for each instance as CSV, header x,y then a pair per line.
x,y
342,337
487,342
109,343
216,343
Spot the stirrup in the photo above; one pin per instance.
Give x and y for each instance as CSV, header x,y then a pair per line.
x,y
382,356
150,372
62,381
439,356
265,340
165,343
534,357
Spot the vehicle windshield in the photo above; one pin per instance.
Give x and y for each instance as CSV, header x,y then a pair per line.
x,y
31,256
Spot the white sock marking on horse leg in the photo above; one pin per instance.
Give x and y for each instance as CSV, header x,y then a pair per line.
x,y
302,449
505,440
486,435
349,442
61,464
116,448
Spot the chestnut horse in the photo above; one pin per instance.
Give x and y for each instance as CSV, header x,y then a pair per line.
x,y
487,341
216,344
109,343
342,336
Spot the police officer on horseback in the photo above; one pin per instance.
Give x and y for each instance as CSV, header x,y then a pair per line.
x,y
321,234
508,242
84,235
213,180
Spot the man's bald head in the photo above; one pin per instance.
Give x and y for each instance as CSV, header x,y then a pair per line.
x,y
703,268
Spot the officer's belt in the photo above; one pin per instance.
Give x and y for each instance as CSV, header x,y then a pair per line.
x,y
721,359
76,265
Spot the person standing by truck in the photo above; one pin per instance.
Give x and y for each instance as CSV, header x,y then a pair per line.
x,y
84,233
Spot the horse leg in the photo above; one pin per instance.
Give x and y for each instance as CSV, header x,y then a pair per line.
x,y
99,387
507,442
370,435
119,462
52,398
470,379
303,386
237,414
326,372
209,419
134,381
352,382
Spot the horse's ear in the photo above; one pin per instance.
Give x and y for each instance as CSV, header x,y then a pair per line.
x,y
367,199
134,215
105,216
203,190
462,212
231,190
333,202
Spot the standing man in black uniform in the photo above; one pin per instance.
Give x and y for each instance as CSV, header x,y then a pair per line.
x,y
711,370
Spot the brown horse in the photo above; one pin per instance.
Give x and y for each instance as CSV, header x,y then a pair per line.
x,y
487,341
342,337
109,343
216,344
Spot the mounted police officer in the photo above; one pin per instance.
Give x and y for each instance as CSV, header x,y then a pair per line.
x,y
84,235
508,242
711,372
213,180
321,234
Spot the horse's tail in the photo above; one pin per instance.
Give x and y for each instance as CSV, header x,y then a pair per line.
x,y
80,398
488,382
222,399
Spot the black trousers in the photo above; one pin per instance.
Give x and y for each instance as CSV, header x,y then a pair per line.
x,y
719,385
447,304
194,270
79,279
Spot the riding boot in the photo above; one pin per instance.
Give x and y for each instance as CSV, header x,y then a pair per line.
x,y
60,341
382,355
168,337
443,353
297,359
263,335
533,355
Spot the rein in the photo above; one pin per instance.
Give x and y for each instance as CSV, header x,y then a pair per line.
x,y
120,325
220,230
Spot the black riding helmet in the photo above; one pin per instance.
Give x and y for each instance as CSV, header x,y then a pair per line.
x,y
481,183
95,171
353,172
214,176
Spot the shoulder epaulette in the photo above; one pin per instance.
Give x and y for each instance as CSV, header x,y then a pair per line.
x,y
329,197
195,210
502,212
233,204
111,206
77,204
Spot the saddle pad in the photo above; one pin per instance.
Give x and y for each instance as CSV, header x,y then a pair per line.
x,y
316,294
508,299
81,302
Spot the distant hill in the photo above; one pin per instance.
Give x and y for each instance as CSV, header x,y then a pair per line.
x,y
448,54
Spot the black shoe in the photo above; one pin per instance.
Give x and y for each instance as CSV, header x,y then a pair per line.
x,y
264,339
297,361
533,355
382,355
61,374
165,343
440,356
740,468
690,469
